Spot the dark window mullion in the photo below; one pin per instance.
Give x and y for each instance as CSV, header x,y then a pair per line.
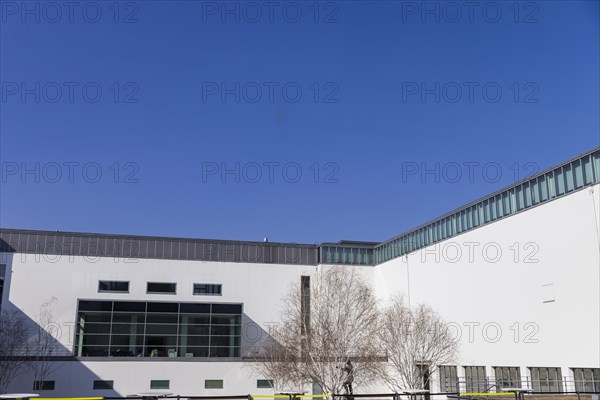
x,y
112,305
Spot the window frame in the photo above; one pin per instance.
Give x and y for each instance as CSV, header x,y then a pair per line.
x,y
148,291
207,386
112,291
219,285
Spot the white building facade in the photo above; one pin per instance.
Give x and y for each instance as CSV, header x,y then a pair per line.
x,y
516,275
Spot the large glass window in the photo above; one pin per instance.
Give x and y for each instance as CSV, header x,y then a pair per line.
x,y
157,329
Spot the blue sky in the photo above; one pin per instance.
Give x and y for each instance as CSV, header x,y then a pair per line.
x,y
196,118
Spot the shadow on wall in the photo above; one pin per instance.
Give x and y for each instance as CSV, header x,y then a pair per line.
x,y
47,353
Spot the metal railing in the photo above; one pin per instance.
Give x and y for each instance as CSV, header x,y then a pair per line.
x,y
566,384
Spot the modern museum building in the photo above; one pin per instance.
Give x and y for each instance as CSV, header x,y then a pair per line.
x,y
516,273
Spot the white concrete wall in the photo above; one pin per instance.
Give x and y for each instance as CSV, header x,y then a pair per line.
x,y
558,244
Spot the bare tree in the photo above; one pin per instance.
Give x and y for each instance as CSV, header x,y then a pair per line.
x,y
276,363
44,346
13,347
322,328
417,342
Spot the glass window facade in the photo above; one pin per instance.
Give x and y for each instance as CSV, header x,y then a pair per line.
x,y
157,329
544,187
545,379
337,254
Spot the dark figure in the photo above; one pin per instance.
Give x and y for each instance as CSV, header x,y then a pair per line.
x,y
348,369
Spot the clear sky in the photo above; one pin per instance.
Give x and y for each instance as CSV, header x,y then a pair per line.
x,y
196,118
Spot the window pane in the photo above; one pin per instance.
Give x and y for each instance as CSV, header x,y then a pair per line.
x,y
161,287
113,286
543,188
213,384
588,175
264,383
578,174
570,183
103,385
159,384
559,181
207,289
527,193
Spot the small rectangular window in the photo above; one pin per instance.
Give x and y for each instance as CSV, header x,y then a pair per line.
x,y
161,287
213,384
207,289
160,384
113,286
103,385
43,385
264,383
